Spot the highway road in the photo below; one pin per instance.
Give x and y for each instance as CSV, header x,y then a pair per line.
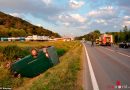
x,y
106,68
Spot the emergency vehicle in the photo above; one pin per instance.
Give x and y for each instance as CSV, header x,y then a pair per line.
x,y
105,40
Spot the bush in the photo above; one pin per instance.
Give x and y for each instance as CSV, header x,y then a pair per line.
x,y
24,52
61,52
1,49
12,52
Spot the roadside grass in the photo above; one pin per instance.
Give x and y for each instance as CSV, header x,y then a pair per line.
x,y
61,77
58,44
6,79
23,48
62,72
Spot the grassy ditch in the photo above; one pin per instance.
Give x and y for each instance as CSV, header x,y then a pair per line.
x,y
61,77
64,74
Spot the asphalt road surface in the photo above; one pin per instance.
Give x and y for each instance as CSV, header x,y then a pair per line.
x,y
106,68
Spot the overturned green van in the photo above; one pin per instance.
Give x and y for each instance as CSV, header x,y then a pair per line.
x,y
31,67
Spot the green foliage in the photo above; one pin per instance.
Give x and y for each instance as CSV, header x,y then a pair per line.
x,y
97,31
61,52
1,49
116,37
16,82
6,79
123,35
12,52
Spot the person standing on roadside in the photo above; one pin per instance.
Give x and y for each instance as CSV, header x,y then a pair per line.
x,y
92,42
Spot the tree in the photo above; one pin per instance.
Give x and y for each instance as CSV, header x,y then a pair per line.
x,y
116,38
95,34
97,31
92,36
126,33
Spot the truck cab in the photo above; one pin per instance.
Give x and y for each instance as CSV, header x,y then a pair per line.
x,y
106,39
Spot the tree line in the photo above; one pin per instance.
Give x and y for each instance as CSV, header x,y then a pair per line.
x,y
14,26
92,36
121,36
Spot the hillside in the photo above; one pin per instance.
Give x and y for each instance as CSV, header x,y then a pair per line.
x,y
14,26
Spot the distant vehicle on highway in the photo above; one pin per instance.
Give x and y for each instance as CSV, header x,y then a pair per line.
x,y
97,42
105,40
124,45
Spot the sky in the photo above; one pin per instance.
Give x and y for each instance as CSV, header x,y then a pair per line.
x,y
71,17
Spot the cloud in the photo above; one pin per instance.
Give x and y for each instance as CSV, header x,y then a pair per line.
x,y
126,23
66,23
103,12
107,18
123,3
101,21
78,18
71,19
76,4
82,27
37,8
126,17
47,2
104,18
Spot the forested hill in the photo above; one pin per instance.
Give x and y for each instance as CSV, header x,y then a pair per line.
x,y
14,26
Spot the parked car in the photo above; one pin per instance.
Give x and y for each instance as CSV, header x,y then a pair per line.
x,y
124,45
36,63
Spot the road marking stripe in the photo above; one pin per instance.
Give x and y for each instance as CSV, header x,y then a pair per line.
x,y
118,52
92,75
123,54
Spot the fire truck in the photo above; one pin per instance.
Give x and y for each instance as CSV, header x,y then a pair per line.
x,y
105,40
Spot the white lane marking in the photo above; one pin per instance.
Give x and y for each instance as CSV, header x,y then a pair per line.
x,y
109,49
92,75
118,52
123,54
